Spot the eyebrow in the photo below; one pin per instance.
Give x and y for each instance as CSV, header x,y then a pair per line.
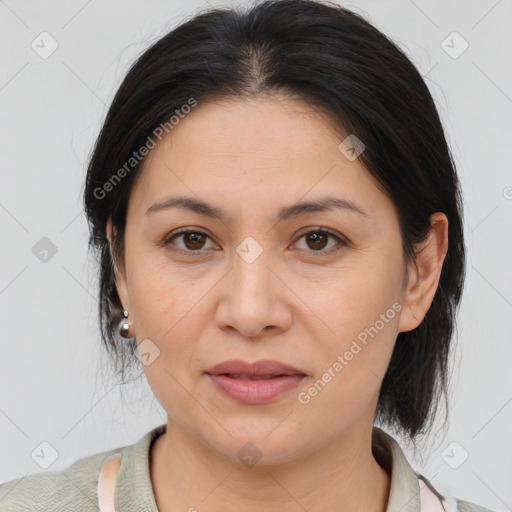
x,y
200,207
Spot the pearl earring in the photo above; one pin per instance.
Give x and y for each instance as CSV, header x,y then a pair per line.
x,y
124,326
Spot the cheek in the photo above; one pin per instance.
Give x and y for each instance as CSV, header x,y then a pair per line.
x,y
356,298
347,384
162,308
362,309
169,314
162,295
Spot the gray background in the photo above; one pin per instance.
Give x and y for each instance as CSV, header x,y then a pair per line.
x,y
51,380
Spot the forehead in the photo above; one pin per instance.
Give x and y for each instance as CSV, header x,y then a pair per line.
x,y
236,151
273,127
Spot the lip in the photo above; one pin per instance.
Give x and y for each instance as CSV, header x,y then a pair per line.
x,y
262,368
281,378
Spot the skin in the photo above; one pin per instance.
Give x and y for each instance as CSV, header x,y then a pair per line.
x,y
295,303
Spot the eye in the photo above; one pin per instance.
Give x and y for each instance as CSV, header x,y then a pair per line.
x,y
193,241
317,239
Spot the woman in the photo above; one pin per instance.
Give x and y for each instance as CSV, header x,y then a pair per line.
x,y
279,225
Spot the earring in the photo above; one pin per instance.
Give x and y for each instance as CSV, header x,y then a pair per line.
x,y
124,326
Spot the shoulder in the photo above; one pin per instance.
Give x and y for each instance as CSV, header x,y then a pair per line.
x,y
71,489
445,503
405,482
466,506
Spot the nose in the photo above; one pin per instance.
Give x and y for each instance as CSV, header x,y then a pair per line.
x,y
255,301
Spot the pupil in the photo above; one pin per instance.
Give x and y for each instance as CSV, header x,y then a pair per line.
x,y
315,236
195,238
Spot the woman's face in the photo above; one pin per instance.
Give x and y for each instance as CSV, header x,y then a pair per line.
x,y
254,284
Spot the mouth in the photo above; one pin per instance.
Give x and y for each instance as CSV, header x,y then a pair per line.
x,y
250,377
254,383
266,368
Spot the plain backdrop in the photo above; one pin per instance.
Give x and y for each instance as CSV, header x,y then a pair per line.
x,y
52,382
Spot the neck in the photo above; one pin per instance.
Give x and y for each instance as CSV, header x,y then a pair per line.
x,y
344,475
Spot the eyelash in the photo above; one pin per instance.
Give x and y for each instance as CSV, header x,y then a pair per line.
x,y
200,252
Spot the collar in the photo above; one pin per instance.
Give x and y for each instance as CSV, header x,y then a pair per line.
x,y
404,492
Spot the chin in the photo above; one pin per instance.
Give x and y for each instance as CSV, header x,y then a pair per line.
x,y
258,443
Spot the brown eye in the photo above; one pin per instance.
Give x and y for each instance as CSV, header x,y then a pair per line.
x,y
191,241
317,240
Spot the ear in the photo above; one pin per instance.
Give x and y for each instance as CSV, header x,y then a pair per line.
x,y
119,271
424,274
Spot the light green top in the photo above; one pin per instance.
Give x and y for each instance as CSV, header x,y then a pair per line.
x,y
74,489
